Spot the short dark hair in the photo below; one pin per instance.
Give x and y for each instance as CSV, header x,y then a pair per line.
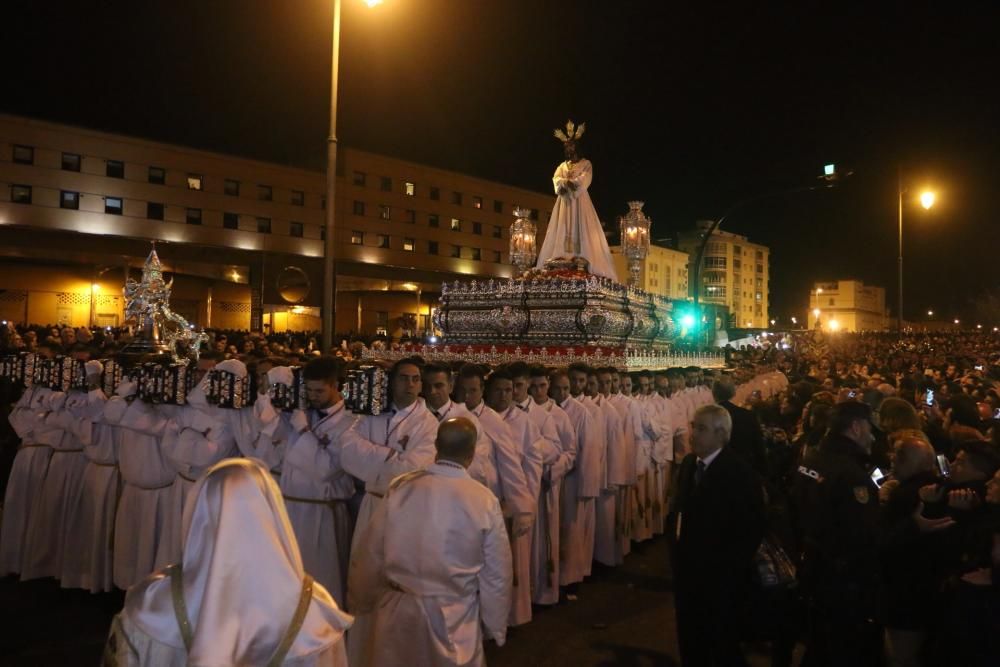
x,y
434,368
518,369
472,371
327,369
539,371
407,361
498,374
579,367
212,355
964,410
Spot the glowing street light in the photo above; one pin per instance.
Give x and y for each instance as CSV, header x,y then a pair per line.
x,y
816,312
956,320
795,320
927,199
834,325
930,313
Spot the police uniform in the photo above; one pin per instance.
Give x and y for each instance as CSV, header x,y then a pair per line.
x,y
838,525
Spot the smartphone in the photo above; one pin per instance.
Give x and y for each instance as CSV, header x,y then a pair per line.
x,y
929,397
852,394
996,414
943,465
979,368
878,477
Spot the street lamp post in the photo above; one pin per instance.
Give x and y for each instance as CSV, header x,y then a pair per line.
x,y
329,266
926,200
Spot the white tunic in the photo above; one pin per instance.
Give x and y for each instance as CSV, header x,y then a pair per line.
x,y
574,228
317,489
580,488
91,519
437,572
26,476
607,546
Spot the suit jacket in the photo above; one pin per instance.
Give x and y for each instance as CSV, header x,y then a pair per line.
x,y
747,439
717,524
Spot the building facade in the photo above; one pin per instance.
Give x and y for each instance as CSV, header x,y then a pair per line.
x,y
734,272
664,271
847,305
242,238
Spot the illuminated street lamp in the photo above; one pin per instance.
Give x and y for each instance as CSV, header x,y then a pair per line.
x,y
930,313
927,199
523,248
634,229
329,269
833,325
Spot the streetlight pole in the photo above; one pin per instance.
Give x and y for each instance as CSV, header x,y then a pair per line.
x,y
329,266
899,311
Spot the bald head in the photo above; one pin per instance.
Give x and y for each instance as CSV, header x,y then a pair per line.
x,y
913,457
456,441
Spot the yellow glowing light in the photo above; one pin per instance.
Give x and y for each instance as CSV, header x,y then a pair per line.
x,y
956,321
927,199
373,3
815,312
95,287
235,275
834,325
819,290
930,313
410,286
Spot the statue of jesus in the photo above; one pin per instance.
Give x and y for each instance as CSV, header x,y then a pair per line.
x,y
574,229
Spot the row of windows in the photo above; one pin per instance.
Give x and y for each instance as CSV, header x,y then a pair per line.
x,y
409,244
158,176
409,188
433,219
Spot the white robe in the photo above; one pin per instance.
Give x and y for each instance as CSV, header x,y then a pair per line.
x,y
559,457
147,478
574,228
26,476
91,519
437,572
317,489
607,542
580,488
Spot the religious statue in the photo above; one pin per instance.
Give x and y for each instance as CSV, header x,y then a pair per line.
x,y
147,307
574,230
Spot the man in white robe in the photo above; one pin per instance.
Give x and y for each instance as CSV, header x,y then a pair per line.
x,y
376,450
607,549
437,571
27,475
580,487
499,397
557,464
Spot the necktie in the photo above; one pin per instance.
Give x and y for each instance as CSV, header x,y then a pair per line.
x,y
437,415
699,473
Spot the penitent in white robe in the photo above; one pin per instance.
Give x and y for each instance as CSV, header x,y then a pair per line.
x,y
579,490
574,228
437,572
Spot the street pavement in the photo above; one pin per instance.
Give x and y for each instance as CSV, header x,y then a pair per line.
x,y
623,616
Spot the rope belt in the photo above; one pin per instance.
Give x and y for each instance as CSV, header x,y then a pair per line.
x,y
376,494
104,465
330,502
66,451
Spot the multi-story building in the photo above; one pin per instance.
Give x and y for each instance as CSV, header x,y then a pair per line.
x,y
663,272
847,305
242,238
734,272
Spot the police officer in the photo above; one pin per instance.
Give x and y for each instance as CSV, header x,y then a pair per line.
x,y
837,507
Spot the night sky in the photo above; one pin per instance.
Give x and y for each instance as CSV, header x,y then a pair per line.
x,y
691,107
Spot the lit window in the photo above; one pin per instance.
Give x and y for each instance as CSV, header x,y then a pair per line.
x,y
157,175
456,225
386,184
113,205
231,220
193,216
24,155
357,238
359,178
433,220
383,240
69,199
231,187
70,162
298,198
435,194
194,182
115,169
384,212
264,193
408,244
410,188
263,225
20,194
477,202
295,229
154,211
359,208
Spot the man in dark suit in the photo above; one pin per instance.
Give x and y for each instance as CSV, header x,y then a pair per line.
x,y
747,439
717,523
